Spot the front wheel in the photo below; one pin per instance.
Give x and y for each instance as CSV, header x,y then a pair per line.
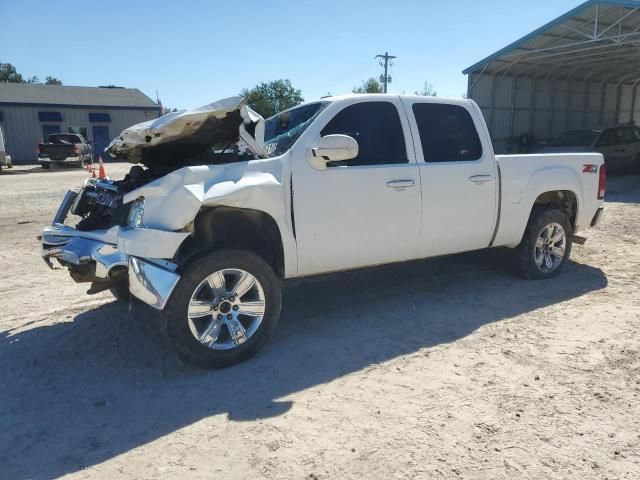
x,y
224,308
545,246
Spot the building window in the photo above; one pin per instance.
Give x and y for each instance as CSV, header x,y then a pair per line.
x,y
99,118
79,131
1,116
49,130
50,116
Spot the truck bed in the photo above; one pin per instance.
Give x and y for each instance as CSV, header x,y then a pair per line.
x,y
524,177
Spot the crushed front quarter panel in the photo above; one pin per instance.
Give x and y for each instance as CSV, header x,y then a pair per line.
x,y
173,201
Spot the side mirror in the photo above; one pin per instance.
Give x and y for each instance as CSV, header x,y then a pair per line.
x,y
333,148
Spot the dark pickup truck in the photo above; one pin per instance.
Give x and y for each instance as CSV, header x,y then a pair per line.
x,y
61,148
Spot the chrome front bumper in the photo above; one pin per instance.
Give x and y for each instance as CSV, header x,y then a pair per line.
x,y
102,255
150,281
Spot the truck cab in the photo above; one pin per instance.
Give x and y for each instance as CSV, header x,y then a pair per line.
x,y
433,165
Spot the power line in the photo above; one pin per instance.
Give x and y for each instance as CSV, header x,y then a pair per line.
x,y
385,79
349,73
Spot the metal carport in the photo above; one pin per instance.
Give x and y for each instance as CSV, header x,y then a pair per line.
x,y
580,70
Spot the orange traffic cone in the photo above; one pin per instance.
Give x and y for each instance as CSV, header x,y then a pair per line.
x,y
93,172
102,174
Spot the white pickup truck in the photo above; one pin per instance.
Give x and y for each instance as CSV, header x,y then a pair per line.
x,y
222,205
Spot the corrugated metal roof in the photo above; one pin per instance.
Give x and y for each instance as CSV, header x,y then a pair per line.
x,y
68,95
599,40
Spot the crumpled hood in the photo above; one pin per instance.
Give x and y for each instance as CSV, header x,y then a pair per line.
x,y
179,135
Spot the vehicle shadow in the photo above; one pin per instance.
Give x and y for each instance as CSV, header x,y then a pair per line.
x,y
77,393
22,170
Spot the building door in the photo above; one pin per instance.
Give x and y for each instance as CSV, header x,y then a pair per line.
x,y
100,141
49,130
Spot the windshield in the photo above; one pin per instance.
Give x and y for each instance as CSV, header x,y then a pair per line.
x,y
576,138
283,129
63,139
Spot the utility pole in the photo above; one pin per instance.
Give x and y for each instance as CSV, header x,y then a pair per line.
x,y
385,79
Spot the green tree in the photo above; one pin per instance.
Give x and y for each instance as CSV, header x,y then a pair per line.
x,y
269,98
9,74
34,79
427,91
52,81
369,86
166,110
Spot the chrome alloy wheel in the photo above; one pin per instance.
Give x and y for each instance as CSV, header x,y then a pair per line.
x,y
550,247
226,309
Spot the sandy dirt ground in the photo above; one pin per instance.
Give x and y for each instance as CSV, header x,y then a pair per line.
x,y
445,368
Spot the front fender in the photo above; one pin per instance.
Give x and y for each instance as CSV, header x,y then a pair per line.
x,y
173,201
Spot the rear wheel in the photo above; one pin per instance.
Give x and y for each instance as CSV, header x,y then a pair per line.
x,y
46,166
545,247
224,308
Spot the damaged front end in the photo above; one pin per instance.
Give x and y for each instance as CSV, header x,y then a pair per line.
x,y
110,245
116,252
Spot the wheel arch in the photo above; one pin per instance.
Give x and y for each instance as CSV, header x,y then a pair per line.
x,y
564,200
232,227
557,186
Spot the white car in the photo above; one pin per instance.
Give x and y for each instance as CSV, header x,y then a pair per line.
x,y
5,158
225,205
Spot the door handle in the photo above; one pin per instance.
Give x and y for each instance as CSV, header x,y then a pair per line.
x,y
480,179
400,184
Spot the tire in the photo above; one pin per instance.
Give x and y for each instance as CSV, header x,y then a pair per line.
x,y
192,308
121,292
45,166
542,222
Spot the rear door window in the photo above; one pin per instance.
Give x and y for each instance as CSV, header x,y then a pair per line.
x,y
447,133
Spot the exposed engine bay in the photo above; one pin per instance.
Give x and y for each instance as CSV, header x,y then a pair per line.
x,y
222,132
99,203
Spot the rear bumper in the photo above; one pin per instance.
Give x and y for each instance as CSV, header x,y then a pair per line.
x,y
75,159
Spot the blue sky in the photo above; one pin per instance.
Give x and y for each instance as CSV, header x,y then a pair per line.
x,y
194,52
